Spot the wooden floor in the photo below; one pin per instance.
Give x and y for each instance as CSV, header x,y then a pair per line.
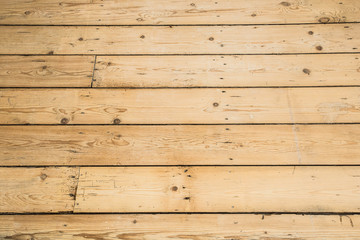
x,y
187,120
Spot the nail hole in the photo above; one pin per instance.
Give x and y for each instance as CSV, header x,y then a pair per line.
x,y
64,121
43,176
306,71
117,121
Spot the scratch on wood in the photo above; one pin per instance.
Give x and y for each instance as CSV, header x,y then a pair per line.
x,y
294,128
76,189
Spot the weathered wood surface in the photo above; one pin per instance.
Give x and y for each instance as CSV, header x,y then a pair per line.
x,y
179,227
37,189
139,12
218,189
227,71
180,106
148,168
315,38
46,71
180,145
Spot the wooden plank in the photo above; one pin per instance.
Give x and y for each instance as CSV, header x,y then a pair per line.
x,y
37,189
139,12
180,106
180,145
316,38
179,227
227,71
46,71
218,189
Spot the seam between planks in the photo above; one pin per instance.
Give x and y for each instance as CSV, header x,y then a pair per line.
x,y
175,54
175,25
181,213
126,88
180,124
182,166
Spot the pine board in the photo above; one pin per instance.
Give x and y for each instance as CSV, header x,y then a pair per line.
x,y
34,190
227,71
180,106
46,71
266,39
179,227
218,189
180,145
140,12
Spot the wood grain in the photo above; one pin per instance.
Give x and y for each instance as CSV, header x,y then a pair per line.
x,y
218,189
179,145
179,227
180,106
227,71
37,189
138,12
46,71
270,39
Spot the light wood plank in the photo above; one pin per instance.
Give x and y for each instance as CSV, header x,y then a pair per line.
x,y
140,12
218,189
180,106
37,189
179,145
46,71
317,38
227,71
179,227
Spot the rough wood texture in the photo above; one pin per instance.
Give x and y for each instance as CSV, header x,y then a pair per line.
x,y
227,71
209,87
179,227
37,189
218,189
138,12
316,38
179,145
46,71
165,106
